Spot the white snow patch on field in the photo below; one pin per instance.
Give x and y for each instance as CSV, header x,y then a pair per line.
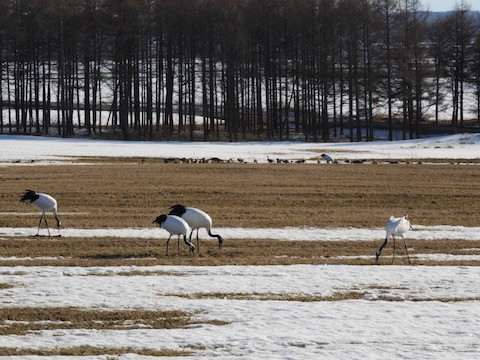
x,y
428,257
287,233
351,329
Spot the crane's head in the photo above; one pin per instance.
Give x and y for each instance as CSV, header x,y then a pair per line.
x,y
160,220
29,196
220,240
57,219
177,210
407,219
190,245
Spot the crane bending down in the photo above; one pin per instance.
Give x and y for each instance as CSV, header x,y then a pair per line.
x,y
196,219
44,203
175,226
395,227
328,158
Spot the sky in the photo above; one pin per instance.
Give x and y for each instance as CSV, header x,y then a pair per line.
x,y
447,5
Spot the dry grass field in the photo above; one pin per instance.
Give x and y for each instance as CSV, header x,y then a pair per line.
x,y
121,193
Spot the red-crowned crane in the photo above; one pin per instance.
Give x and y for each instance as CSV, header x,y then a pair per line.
x,y
175,226
196,219
395,227
44,203
328,158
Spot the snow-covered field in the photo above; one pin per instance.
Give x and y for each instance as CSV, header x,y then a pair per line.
x,y
427,328
45,150
433,312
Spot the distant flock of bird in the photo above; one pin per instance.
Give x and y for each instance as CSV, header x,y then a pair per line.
x,y
215,160
181,220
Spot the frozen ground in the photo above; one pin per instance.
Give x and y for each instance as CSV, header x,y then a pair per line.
x,y
23,149
435,315
424,326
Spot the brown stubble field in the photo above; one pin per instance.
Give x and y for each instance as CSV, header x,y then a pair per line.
x,y
119,193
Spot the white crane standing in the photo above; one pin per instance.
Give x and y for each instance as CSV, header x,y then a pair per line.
x,y
44,203
196,219
395,227
175,226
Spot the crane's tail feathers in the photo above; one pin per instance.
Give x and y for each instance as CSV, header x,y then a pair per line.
x,y
176,205
160,220
29,196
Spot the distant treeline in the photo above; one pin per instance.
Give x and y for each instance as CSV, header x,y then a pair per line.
x,y
249,69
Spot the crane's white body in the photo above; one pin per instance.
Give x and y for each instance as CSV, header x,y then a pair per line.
x,y
44,203
395,227
196,219
175,225
328,158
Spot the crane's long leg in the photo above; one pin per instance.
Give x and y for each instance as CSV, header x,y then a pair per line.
x,y
406,249
168,240
393,257
58,222
178,245
40,223
45,218
198,244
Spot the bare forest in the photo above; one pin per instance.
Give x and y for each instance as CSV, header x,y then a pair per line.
x,y
237,70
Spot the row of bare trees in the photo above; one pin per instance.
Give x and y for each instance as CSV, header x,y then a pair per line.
x,y
236,69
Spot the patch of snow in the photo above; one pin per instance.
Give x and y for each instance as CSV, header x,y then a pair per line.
x,y
288,233
268,329
447,257
15,258
428,257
